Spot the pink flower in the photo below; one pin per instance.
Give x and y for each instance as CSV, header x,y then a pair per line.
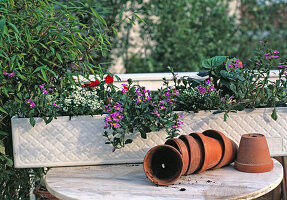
x,y
147,98
56,105
12,74
276,52
155,112
176,92
32,104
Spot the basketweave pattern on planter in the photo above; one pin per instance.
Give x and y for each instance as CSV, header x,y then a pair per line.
x,y
247,121
79,141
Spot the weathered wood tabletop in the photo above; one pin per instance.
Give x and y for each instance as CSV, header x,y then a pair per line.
x,y
128,182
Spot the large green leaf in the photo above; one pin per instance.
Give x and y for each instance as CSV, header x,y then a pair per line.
x,y
213,62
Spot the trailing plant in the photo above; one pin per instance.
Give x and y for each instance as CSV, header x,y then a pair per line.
x,y
132,108
43,47
237,86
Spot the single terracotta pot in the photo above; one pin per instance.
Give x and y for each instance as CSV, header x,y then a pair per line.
x,y
213,151
183,149
230,148
163,164
253,154
196,153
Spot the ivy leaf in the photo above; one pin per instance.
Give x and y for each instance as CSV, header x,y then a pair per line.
x,y
143,134
274,114
32,121
213,62
128,141
203,73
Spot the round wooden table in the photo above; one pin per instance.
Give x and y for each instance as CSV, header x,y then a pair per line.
x,y
128,182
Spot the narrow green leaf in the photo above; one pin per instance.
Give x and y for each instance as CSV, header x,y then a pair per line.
x,y
96,14
3,133
139,18
44,75
59,57
2,110
14,27
2,26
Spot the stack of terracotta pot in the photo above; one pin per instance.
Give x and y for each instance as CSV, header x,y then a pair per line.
x,y
193,153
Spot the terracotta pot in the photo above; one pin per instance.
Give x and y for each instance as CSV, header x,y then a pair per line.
x,y
253,154
230,148
183,149
163,164
196,153
213,151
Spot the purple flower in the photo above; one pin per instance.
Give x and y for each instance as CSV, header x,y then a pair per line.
x,y
56,105
12,74
5,73
50,89
45,91
115,125
146,91
266,54
121,116
176,92
139,100
155,112
161,102
180,116
207,82
147,98
166,94
276,52
32,104
275,56
162,107
223,99
42,86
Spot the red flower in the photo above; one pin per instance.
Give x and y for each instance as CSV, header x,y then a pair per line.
x,y
92,83
109,79
126,87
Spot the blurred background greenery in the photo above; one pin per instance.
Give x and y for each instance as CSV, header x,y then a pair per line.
x,y
182,33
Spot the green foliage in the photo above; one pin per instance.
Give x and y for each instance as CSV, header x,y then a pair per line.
x,y
182,33
43,46
233,86
132,109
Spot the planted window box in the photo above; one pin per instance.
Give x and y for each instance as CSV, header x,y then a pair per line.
x,y
232,97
